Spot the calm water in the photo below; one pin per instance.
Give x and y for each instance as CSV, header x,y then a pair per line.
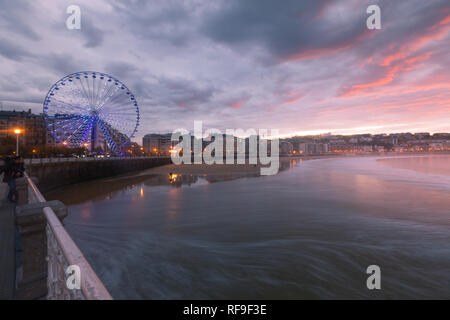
x,y
308,232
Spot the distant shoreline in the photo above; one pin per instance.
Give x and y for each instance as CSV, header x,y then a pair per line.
x,y
249,168
160,175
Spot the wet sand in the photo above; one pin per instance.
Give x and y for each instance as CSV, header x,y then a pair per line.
x,y
286,162
187,173
225,168
162,175
203,169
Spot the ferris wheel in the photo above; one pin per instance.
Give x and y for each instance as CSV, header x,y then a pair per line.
x,y
91,109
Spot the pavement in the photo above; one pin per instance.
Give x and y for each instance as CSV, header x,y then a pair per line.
x,y
7,245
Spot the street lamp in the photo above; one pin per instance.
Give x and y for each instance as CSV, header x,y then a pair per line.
x,y
17,132
85,145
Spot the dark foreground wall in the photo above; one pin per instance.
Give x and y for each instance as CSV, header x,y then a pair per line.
x,y
58,174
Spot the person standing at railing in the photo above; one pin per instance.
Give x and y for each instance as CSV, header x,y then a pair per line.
x,y
7,170
13,169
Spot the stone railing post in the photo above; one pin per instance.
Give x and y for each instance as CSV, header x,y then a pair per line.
x,y
22,191
32,223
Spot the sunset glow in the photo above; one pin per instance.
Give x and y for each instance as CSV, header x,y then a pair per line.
x,y
308,67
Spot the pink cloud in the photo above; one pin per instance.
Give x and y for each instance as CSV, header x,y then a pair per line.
x,y
291,97
435,32
401,59
238,104
338,47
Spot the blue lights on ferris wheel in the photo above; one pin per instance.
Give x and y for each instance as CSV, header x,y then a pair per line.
x,y
86,107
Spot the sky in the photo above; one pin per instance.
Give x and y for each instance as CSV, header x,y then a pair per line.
x,y
303,67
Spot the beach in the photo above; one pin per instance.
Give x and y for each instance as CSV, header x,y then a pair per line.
x,y
285,162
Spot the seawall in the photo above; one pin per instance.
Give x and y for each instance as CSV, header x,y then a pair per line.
x,y
56,174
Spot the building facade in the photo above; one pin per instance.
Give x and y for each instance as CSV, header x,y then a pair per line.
x,y
33,127
157,144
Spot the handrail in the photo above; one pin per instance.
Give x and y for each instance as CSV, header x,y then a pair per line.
x,y
91,286
31,161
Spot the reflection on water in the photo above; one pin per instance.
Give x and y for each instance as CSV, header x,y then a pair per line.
x,y
104,189
90,190
430,164
173,177
308,232
178,180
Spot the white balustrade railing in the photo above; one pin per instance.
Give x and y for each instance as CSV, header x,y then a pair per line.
x,y
80,159
62,252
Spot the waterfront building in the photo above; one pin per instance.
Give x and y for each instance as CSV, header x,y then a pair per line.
x,y
285,147
157,144
33,126
313,148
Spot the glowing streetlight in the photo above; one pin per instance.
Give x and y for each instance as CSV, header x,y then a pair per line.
x,y
17,132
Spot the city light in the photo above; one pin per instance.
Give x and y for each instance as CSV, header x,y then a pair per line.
x,y
173,177
17,131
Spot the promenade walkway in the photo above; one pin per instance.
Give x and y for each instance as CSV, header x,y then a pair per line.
x,y
7,245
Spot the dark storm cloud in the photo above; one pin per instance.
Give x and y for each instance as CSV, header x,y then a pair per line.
x,y
13,17
14,89
284,28
92,35
182,93
306,29
410,35
164,20
62,64
12,51
229,62
172,92
120,70
403,21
